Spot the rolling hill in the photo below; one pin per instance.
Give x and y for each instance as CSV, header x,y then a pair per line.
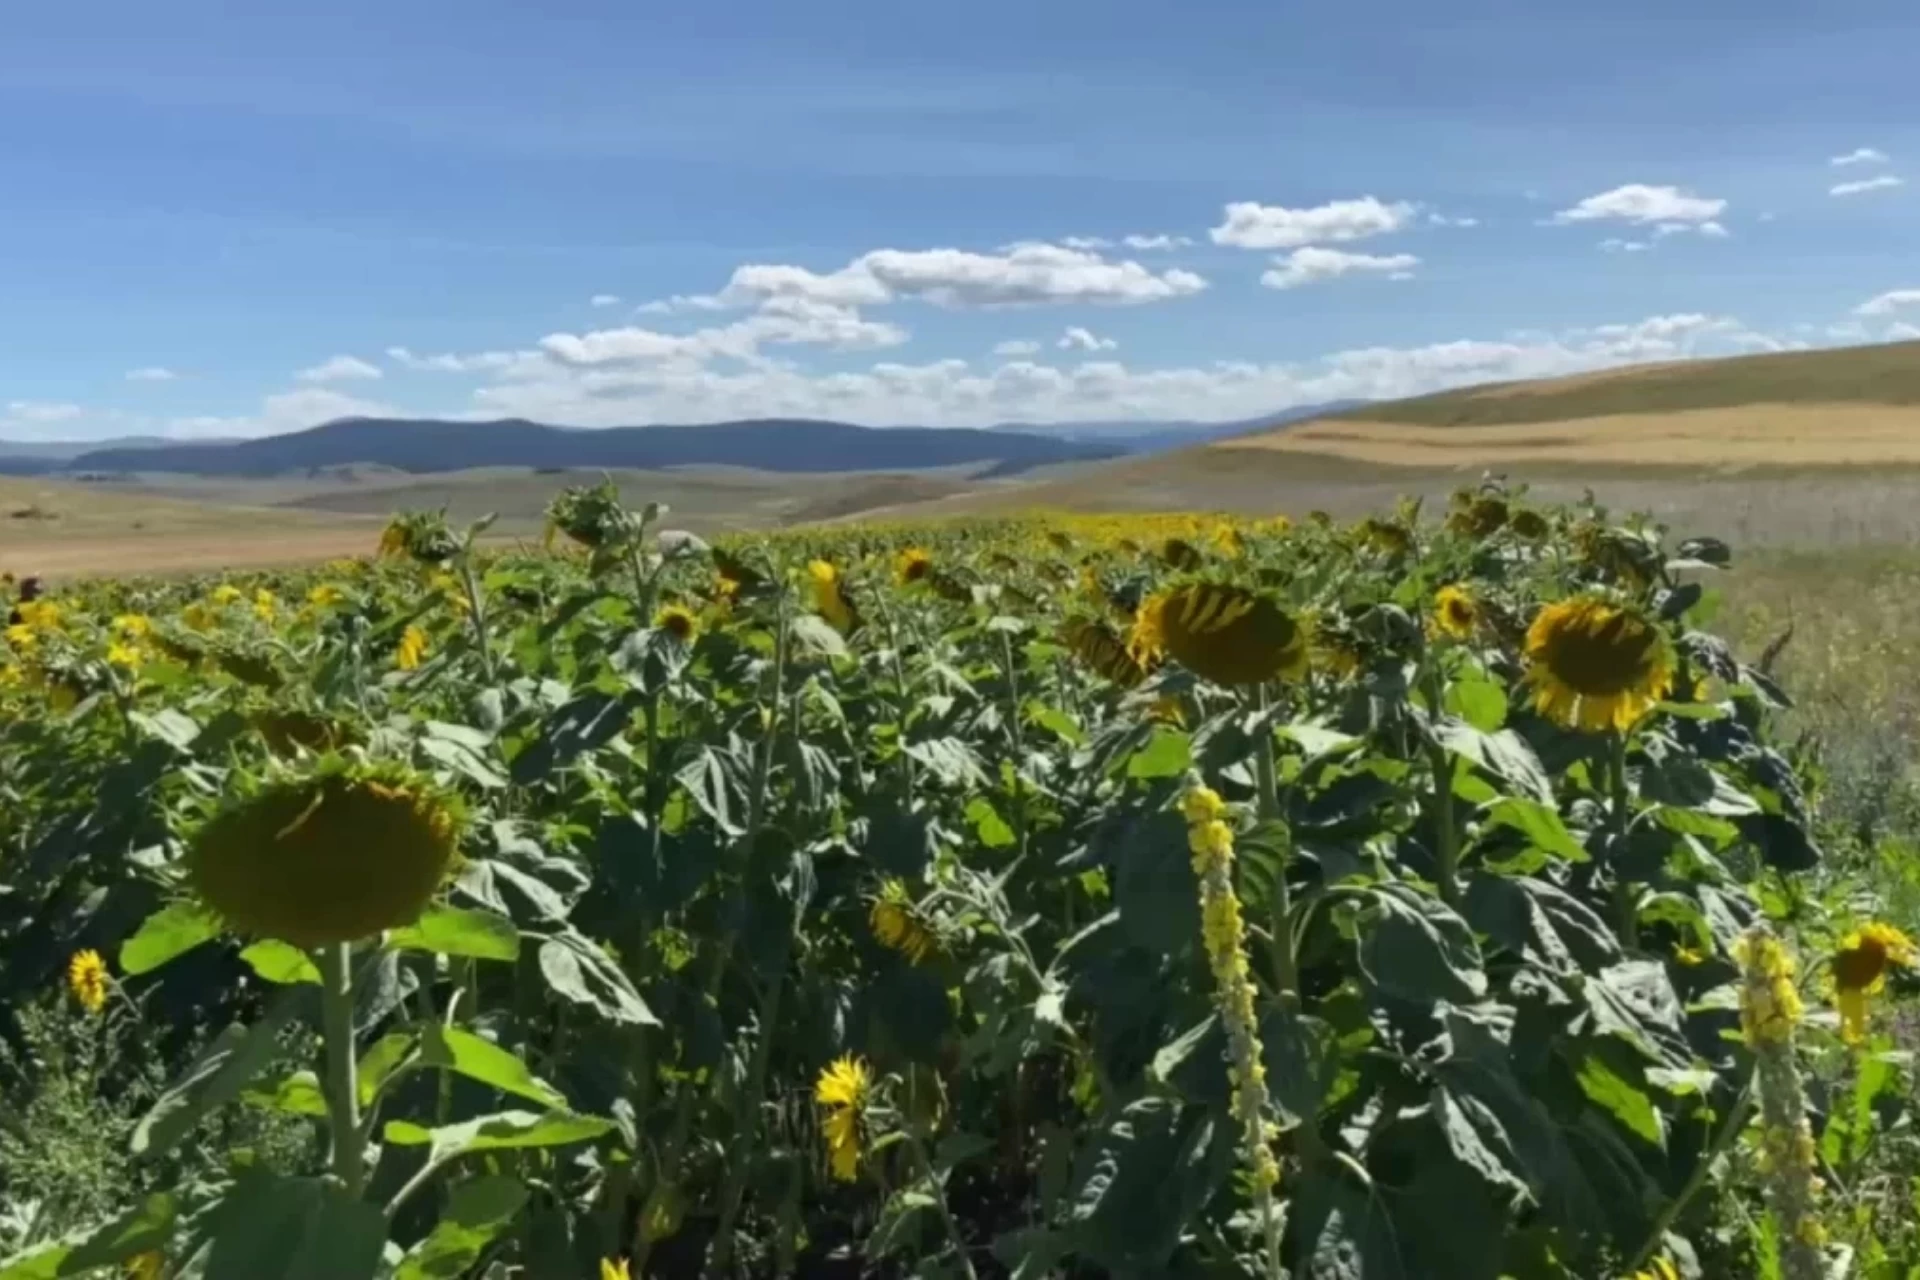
x,y
430,445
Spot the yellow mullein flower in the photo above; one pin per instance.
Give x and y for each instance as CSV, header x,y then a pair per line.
x,y
87,980
1594,665
413,648
844,1088
1769,1011
1859,973
897,925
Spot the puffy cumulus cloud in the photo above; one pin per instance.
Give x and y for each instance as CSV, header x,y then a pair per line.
x,y
339,369
1310,264
1888,302
1859,155
1884,182
1079,339
151,373
1016,347
1251,225
781,321
1641,204
957,392
507,364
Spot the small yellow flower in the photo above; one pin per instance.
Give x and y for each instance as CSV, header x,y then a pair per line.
x,y
677,621
133,626
614,1269
1770,1005
1859,973
844,1088
912,565
265,604
226,593
87,980
146,1266
1455,612
413,647
124,655
1659,1269
325,595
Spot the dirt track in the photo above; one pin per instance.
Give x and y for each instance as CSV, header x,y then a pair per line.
x,y
182,552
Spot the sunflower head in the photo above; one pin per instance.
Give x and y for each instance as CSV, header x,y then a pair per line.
x,y
1595,664
1528,524
1097,648
1223,633
1455,612
332,855
87,980
677,621
830,597
844,1088
912,565
1178,553
897,924
1384,537
412,649
615,1269
1479,516
1861,961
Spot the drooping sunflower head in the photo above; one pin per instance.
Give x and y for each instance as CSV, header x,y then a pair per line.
x,y
677,621
1147,637
1479,516
1528,524
87,980
1223,633
1595,664
1097,648
1455,612
912,565
897,924
334,854
1384,537
1178,553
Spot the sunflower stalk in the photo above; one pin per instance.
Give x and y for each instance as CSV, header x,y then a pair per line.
x,y
348,1159
666,1174
1729,1132
1446,828
1286,973
1619,816
477,615
938,1191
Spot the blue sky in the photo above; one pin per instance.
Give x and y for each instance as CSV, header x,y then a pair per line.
x,y
271,215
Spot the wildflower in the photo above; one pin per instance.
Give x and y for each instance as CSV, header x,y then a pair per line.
x,y
133,626
265,604
413,647
331,857
614,1269
122,654
1658,1269
1859,973
1769,1011
844,1088
1223,935
1595,665
325,595
1227,539
87,980
912,565
1227,634
677,621
830,599
898,926
225,594
1455,612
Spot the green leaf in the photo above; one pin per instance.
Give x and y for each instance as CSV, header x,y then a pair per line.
x,y
814,634
1416,948
1504,754
297,1094
460,931
379,1063
469,1055
1540,823
1154,886
1479,701
1052,718
149,1226
715,782
280,962
476,1213
1140,1180
215,1078
1476,1138
1345,1233
987,823
294,1229
579,972
1620,1097
173,930
1167,754
502,1131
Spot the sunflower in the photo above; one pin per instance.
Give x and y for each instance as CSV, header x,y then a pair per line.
x,y
412,648
1479,517
334,855
1226,634
1178,553
677,621
1147,639
1384,536
1095,645
1528,524
1859,973
393,538
1596,665
266,605
1228,540
912,565
614,1269
1658,1269
325,595
897,925
844,1088
1455,612
87,980
225,594
830,599
146,1266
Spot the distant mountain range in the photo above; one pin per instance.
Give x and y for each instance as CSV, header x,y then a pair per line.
x,y
785,445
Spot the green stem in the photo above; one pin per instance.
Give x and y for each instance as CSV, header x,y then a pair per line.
x,y
1446,830
1730,1129
477,615
342,1086
1286,972
1019,745
939,1193
1619,815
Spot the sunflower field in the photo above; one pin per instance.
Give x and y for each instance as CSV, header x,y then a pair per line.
x,y
1056,896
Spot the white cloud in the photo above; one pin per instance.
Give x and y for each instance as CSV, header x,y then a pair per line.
x,y
285,411
781,321
1251,225
1016,347
339,369
1081,242
1901,332
502,363
1712,230
1613,244
1310,264
1160,240
41,412
1860,155
604,300
1880,183
1079,339
1442,220
151,373
1886,303
1641,204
